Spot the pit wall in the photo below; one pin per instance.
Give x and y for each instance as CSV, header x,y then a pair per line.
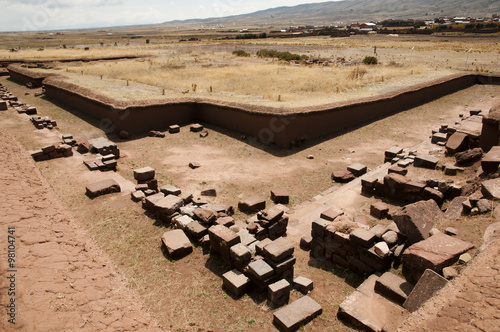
x,y
283,127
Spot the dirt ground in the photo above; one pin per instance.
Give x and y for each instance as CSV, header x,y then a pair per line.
x,y
186,295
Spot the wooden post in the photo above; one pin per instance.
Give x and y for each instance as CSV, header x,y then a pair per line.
x,y
279,97
82,72
210,88
101,77
127,82
163,91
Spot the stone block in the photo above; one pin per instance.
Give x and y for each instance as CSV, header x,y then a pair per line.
x,y
342,176
362,237
137,196
393,287
235,282
357,169
468,156
225,221
398,170
197,230
435,253
438,138
144,174
260,270
331,213
206,216
282,266
426,161
280,196
240,255
170,190
305,242
196,127
456,208
278,293
417,219
491,189
245,237
259,247
393,152
221,240
102,187
252,205
296,314
270,215
183,221
278,250
303,285
168,205
318,228
426,287
457,142
379,210
176,243
491,160
174,129
3,106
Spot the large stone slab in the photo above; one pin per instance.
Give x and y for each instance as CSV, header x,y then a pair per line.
x,y
102,187
426,287
456,208
168,205
491,189
278,250
357,169
260,270
393,287
370,311
435,253
221,240
491,160
176,243
296,314
468,156
417,219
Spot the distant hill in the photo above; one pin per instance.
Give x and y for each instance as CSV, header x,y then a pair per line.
x,y
349,11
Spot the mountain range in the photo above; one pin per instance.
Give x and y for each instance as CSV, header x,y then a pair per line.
x,y
350,11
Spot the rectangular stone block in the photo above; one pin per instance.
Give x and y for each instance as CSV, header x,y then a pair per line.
x,y
278,293
144,174
176,244
426,287
296,314
102,187
235,282
393,287
278,250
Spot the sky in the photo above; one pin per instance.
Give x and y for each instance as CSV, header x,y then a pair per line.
x,y
38,15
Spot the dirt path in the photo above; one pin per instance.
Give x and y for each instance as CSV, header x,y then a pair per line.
x,y
469,303
61,281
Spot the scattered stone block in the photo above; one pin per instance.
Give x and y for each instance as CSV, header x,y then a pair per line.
x,y
434,194
252,205
435,253
170,190
342,176
209,192
426,287
468,156
144,174
235,282
278,250
203,133
278,293
195,128
393,287
379,210
450,231
491,160
259,247
240,255
102,187
280,196
417,219
457,142
456,208
303,285
491,189
225,221
221,240
3,106
176,243
318,228
103,146
137,196
450,273
331,214
464,258
296,314
438,138
392,152
206,216
260,270
382,249
194,165
197,231
426,161
174,129
168,205
483,206
390,238
182,222
155,133
357,169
